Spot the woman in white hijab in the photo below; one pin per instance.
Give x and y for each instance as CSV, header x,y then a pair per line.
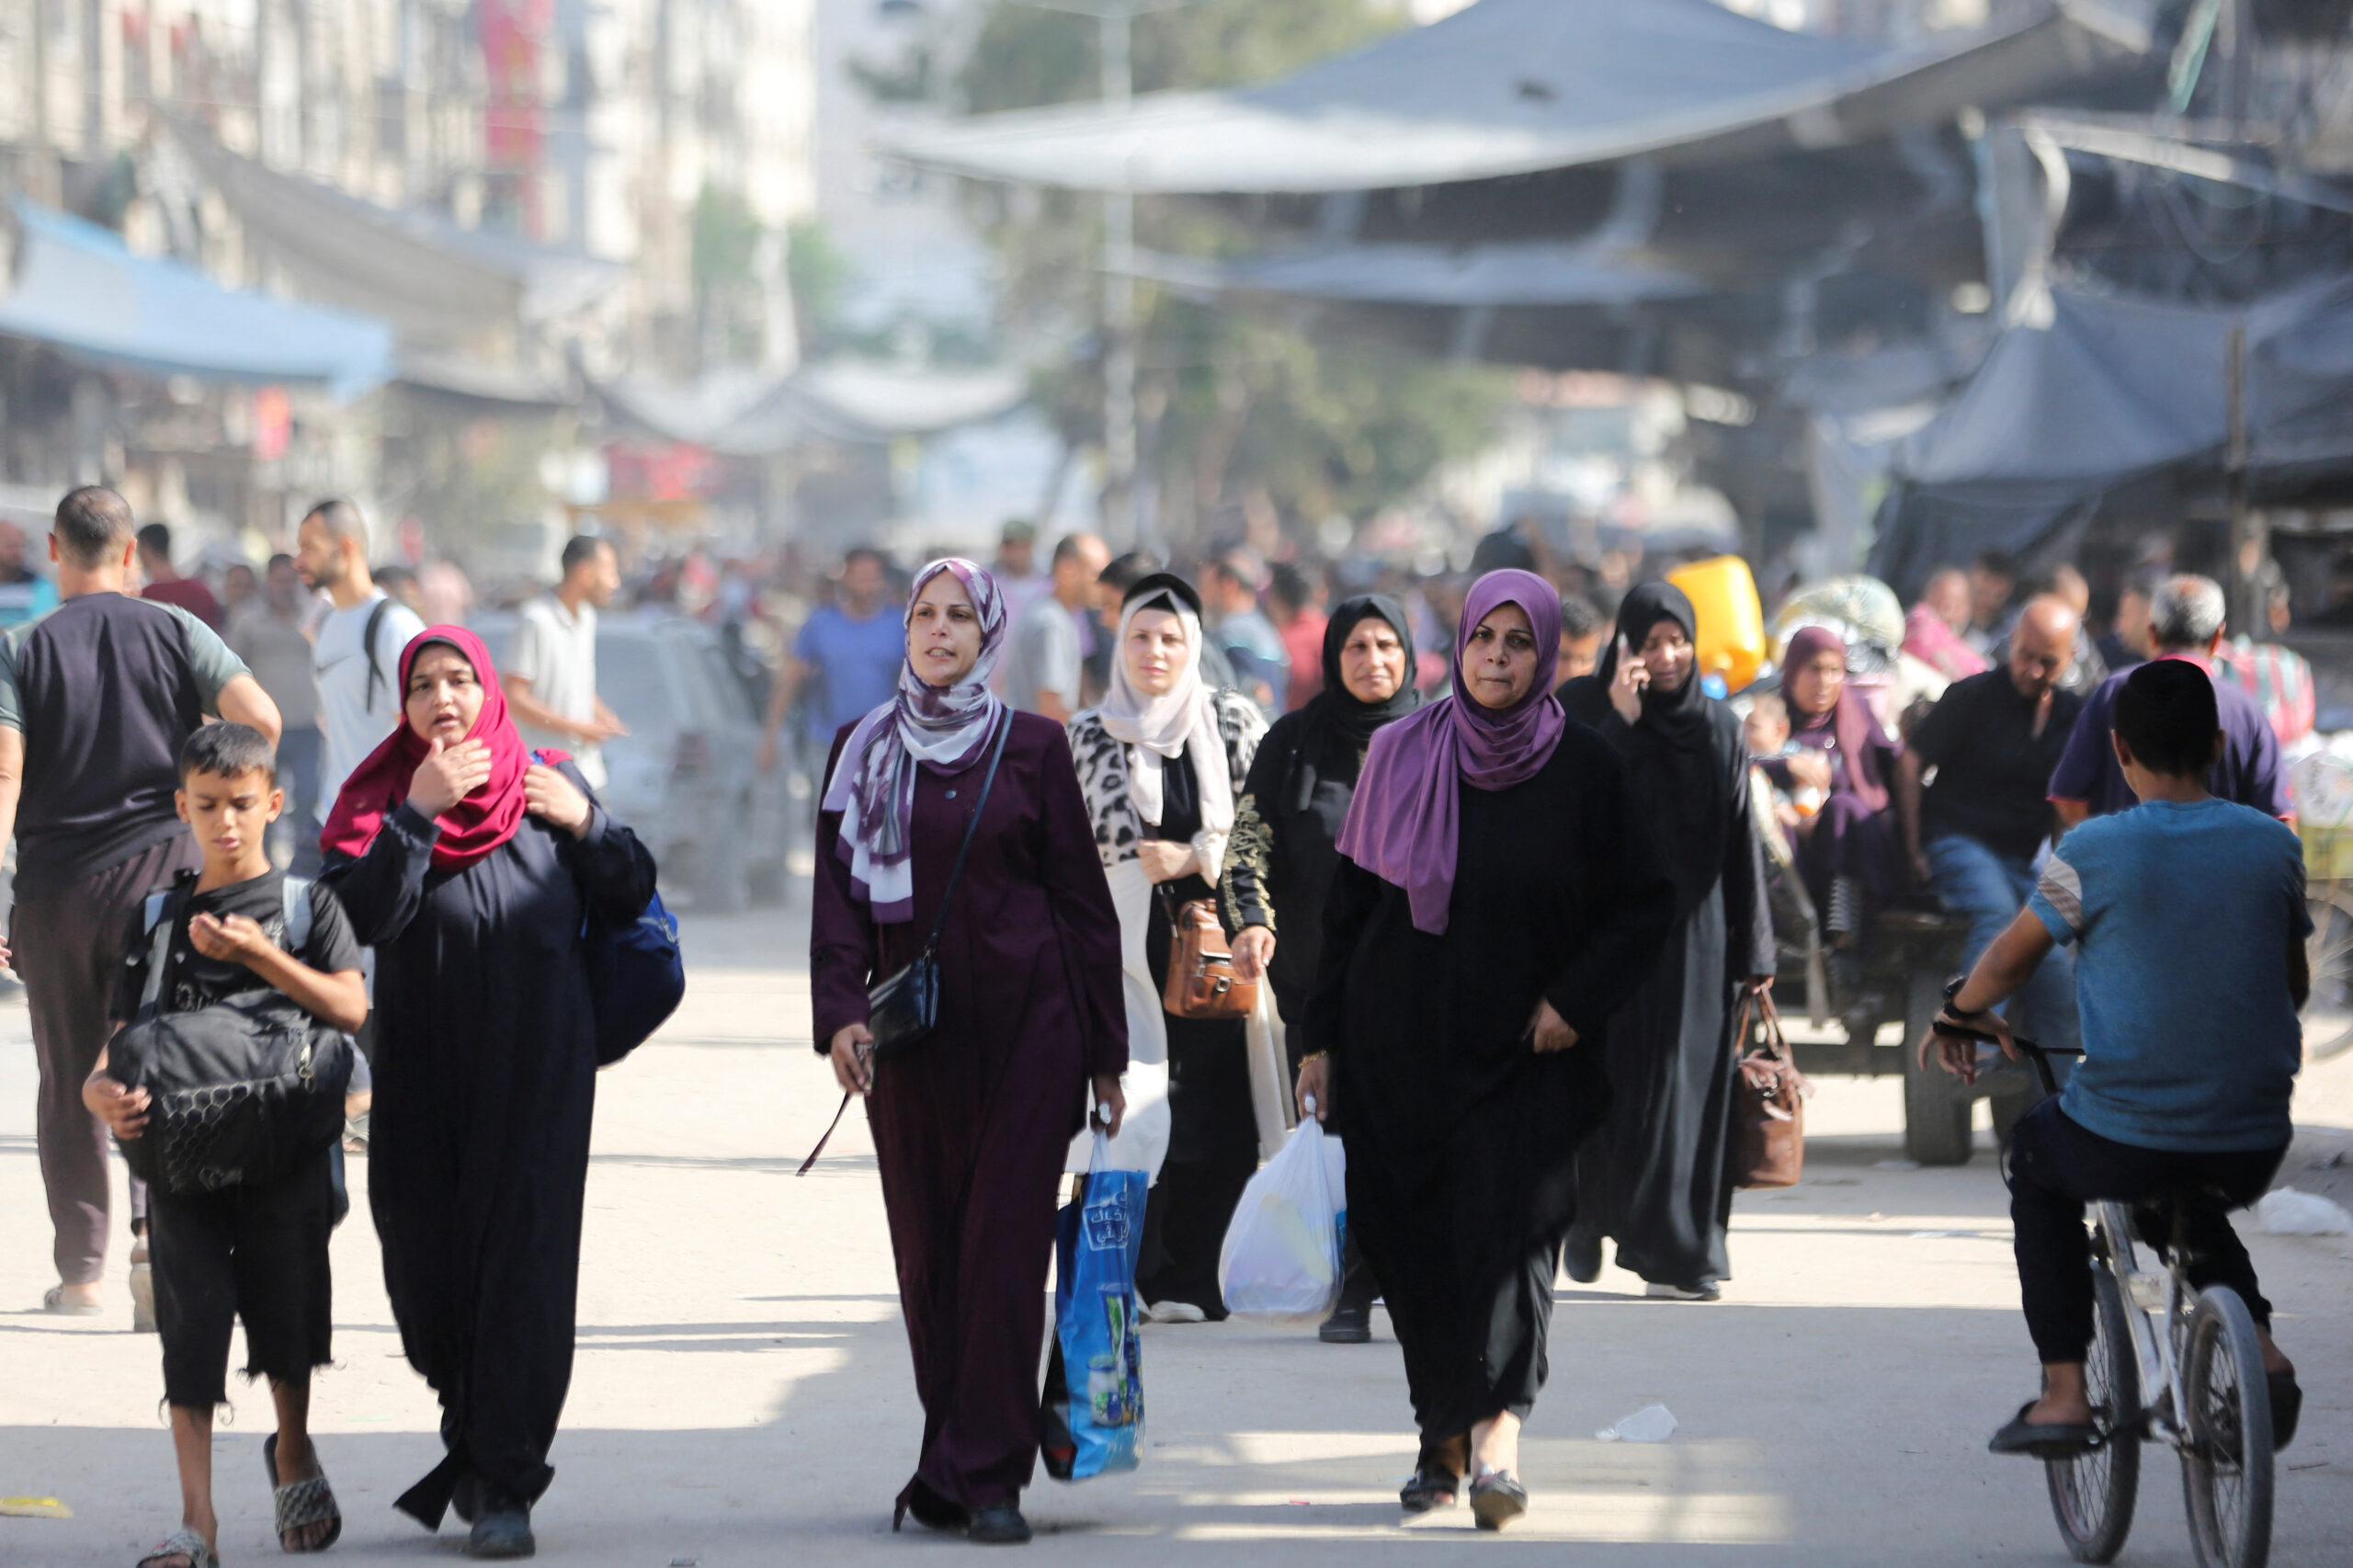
x,y
1161,761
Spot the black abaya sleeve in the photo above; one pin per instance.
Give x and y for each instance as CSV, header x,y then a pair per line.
x,y
615,872
382,889
1633,909
1355,893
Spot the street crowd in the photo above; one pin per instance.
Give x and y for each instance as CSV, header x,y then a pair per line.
x,y
1499,872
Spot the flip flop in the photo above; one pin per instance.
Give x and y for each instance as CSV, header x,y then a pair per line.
x,y
2287,1404
183,1543
301,1503
53,1301
2044,1439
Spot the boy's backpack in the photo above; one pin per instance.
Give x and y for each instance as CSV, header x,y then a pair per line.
x,y
242,1091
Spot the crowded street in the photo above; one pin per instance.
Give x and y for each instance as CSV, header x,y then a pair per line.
x,y
742,1394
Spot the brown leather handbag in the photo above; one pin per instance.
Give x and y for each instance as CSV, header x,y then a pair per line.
x,y
1769,1102
1201,982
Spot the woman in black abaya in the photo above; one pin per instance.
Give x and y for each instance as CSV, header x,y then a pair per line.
x,y
1656,1178
1497,899
468,862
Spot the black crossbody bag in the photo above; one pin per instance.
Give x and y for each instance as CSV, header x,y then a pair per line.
x,y
903,1007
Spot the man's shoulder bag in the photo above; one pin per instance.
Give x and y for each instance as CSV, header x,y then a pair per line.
x,y
242,1090
1768,1111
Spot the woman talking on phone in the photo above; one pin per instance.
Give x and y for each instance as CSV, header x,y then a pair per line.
x,y
971,1122
1655,1178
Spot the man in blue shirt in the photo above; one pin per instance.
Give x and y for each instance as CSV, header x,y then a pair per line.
x,y
2187,915
847,654
2184,624
1253,647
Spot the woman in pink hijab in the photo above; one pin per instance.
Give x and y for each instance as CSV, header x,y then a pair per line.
x,y
1498,898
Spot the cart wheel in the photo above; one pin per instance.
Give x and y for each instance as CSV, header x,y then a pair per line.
x,y
1936,1104
2092,1495
2328,1015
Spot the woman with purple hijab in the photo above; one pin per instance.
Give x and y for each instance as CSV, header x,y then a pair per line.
x,y
971,1124
1498,898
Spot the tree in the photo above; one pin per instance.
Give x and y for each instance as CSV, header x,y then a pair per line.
x,y
1230,401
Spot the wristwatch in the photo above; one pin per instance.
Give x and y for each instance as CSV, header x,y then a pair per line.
x,y
1952,989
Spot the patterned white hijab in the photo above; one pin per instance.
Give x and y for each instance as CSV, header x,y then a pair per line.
x,y
1157,728
873,784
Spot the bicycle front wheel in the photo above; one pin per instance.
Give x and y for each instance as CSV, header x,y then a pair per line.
x,y
2226,1440
2092,1494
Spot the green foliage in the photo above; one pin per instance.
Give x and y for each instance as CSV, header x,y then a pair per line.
x,y
726,236
1231,401
817,272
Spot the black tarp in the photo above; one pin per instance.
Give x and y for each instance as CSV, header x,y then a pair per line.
x,y
2113,404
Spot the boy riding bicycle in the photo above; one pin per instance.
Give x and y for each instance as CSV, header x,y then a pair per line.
x,y
2187,915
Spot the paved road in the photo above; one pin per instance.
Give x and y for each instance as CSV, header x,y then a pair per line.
x,y
743,1398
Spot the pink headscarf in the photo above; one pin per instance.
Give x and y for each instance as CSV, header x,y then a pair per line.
x,y
1403,823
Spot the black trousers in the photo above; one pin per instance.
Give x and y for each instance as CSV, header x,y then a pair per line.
x,y
253,1252
68,942
2057,1166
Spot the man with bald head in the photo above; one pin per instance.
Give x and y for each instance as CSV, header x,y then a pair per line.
x,y
1973,834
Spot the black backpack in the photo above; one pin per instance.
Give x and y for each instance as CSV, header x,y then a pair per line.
x,y
242,1091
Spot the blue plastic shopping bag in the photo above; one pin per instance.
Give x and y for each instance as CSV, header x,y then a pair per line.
x,y
1093,1415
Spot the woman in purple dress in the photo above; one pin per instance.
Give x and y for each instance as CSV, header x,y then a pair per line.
x,y
970,1126
1848,850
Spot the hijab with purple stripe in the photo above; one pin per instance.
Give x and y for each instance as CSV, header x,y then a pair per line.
x,y
945,729
1403,823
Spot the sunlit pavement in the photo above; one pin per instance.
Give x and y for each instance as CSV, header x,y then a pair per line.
x,y
742,1394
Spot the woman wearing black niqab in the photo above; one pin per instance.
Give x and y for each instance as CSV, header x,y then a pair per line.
x,y
1284,853
1656,1178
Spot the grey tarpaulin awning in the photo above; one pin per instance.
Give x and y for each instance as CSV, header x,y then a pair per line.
x,y
744,414
1528,273
2112,393
1516,86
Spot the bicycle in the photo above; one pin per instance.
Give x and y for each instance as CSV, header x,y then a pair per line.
x,y
2198,1349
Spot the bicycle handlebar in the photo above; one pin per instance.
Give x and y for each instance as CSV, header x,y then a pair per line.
x,y
2036,1050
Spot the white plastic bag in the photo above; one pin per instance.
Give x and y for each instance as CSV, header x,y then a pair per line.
x,y
1282,1258
2289,1213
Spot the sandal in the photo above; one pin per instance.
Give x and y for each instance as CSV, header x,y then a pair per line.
x,y
183,1542
2044,1439
1496,1499
53,1301
301,1503
1431,1486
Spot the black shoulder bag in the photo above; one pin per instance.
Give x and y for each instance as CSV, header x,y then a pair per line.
x,y
903,1006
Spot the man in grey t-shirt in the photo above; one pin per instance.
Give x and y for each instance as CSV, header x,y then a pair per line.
x,y
1043,668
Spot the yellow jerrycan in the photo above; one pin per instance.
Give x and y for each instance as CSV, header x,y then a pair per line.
x,y
1731,642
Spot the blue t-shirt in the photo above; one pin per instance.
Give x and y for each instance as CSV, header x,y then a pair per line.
x,y
2181,918
853,665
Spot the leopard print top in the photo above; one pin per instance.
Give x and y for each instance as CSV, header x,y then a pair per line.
x,y
1103,770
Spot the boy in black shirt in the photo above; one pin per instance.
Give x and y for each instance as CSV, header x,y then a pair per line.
x,y
258,1253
